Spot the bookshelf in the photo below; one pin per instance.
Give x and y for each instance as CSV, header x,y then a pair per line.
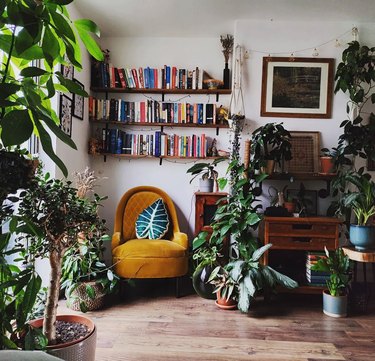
x,y
115,119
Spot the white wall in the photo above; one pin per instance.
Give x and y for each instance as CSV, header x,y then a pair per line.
x,y
260,38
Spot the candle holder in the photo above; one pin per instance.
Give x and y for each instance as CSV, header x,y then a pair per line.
x,y
227,44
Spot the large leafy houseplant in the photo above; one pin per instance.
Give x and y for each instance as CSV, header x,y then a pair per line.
x,y
56,218
35,37
238,219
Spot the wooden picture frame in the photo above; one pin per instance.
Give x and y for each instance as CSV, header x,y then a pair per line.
x,y
78,102
297,87
66,114
305,152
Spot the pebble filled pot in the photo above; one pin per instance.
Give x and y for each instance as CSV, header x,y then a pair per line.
x,y
81,349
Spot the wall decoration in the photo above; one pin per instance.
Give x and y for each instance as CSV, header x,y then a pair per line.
x,y
297,87
305,152
78,102
66,114
67,71
370,164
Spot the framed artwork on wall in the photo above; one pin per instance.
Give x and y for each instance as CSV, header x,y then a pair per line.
x,y
67,71
305,152
297,87
66,114
78,102
370,164
306,199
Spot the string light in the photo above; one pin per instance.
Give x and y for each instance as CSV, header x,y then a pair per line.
x,y
315,52
335,40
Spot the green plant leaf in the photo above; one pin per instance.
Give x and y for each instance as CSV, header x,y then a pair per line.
x,y
90,291
259,252
16,126
32,71
91,45
87,25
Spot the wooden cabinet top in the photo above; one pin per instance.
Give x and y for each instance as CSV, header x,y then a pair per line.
x,y
303,220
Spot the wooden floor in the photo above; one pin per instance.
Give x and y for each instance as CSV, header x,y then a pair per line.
x,y
161,327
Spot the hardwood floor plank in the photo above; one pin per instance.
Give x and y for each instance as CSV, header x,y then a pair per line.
x,y
163,328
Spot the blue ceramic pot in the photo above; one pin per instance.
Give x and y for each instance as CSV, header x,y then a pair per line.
x,y
335,306
362,237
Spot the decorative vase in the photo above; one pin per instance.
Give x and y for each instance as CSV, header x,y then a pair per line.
x,y
334,306
362,237
200,278
226,77
82,349
206,185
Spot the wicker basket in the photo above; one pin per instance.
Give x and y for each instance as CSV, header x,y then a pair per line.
x,y
79,295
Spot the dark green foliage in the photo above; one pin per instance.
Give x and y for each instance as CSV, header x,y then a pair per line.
x,y
34,38
270,141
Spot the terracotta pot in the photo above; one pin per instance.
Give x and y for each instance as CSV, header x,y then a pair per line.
x,y
327,165
82,349
225,304
290,206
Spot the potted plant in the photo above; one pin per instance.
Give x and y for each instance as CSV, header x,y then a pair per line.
x,y
56,218
85,277
225,288
357,195
252,277
205,257
208,174
237,219
270,144
327,160
337,264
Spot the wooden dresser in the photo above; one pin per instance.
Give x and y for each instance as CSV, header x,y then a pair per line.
x,y
292,238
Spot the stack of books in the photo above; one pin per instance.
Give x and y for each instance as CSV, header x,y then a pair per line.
x,y
315,278
105,75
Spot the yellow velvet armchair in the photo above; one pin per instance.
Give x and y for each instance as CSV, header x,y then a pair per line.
x,y
147,258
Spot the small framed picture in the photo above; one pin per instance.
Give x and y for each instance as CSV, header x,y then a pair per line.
x,y
66,114
306,200
78,102
67,70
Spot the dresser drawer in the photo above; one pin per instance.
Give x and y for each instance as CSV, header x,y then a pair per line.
x,y
298,229
301,243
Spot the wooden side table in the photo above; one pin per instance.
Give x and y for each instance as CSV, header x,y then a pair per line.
x,y
363,258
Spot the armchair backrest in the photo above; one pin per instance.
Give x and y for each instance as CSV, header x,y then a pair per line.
x,y
133,202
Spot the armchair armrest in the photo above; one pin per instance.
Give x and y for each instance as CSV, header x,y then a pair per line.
x,y
181,239
116,239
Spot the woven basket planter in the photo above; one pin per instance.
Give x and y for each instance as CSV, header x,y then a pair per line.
x,y
80,295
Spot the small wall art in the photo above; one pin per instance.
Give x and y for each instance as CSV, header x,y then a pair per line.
x,y
78,102
66,114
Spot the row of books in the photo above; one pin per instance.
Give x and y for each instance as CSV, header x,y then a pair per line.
x,y
105,75
159,144
151,111
315,278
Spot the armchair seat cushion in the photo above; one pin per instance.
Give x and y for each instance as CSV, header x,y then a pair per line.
x,y
149,248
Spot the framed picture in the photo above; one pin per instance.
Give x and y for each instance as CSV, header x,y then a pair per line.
x,y
306,200
67,71
305,152
297,87
66,114
78,102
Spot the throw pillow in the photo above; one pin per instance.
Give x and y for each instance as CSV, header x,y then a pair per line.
x,y
153,221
